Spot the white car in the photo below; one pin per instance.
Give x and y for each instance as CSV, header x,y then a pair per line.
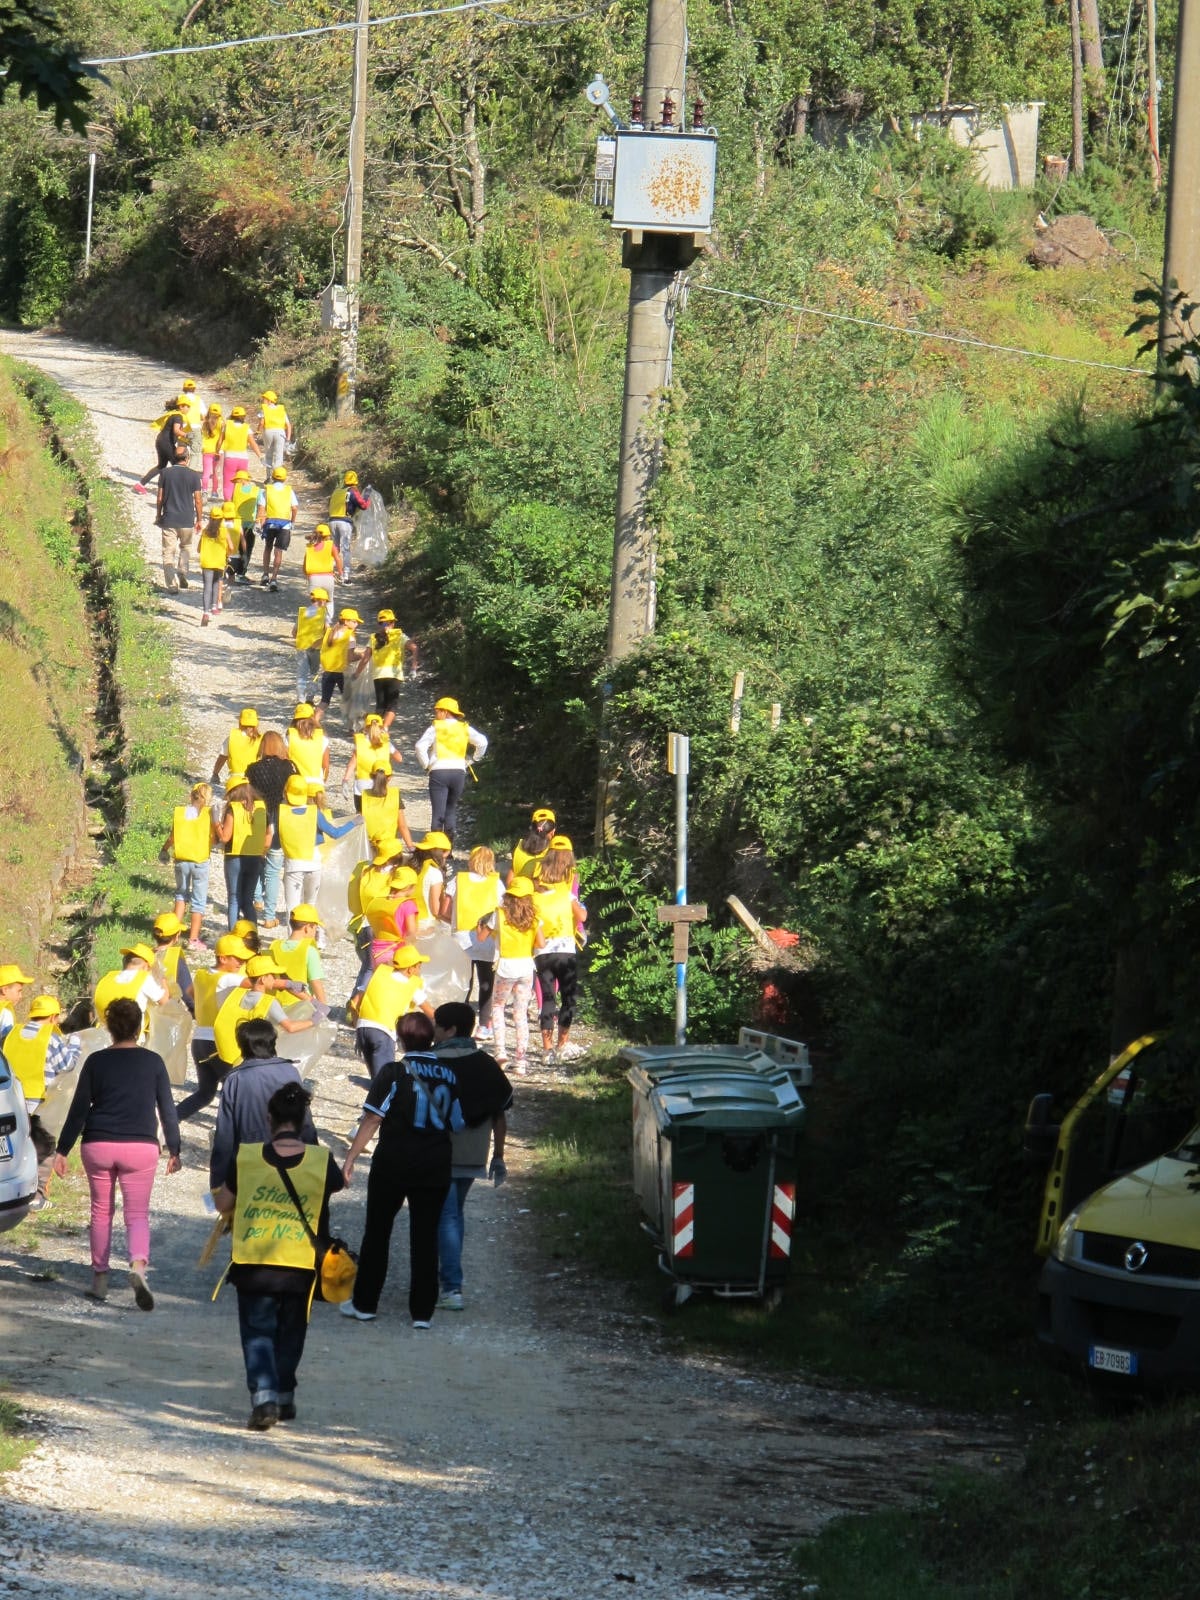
x,y
18,1159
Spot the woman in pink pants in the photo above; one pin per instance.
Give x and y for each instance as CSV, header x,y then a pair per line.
x,y
122,1096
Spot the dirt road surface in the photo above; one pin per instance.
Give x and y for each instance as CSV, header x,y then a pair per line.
x,y
542,1445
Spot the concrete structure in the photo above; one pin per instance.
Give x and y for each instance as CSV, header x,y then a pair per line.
x,y
1004,141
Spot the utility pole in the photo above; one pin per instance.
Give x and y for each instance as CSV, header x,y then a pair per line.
x,y
653,260
1076,89
1181,259
1152,99
347,375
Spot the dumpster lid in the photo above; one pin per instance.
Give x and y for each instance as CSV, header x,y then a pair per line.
x,y
663,1060
714,1099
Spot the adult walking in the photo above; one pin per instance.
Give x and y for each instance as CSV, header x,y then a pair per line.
x,y
180,514
276,428
559,917
268,776
413,1106
278,509
172,429
389,645
245,831
445,750
485,1095
237,445
344,503
274,1254
122,1098
242,1115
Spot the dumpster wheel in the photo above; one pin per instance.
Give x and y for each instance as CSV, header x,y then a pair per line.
x,y
677,1295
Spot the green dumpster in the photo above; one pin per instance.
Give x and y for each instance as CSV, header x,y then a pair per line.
x,y
715,1156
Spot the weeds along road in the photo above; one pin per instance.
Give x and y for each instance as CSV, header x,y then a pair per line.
x,y
540,1446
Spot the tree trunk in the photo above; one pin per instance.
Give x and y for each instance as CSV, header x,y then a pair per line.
x,y
1076,90
1093,68
476,168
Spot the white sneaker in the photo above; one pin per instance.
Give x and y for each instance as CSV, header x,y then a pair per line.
x,y
348,1309
548,1058
452,1300
422,1324
572,1052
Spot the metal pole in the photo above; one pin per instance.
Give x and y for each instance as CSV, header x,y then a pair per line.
x,y
1181,259
682,745
87,239
347,377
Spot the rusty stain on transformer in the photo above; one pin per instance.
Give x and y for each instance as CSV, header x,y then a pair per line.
x,y
676,186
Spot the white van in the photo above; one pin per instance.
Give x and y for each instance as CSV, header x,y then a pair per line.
x,y
18,1159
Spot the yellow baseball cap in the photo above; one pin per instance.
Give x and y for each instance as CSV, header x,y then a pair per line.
x,y
234,779
142,951
306,913
243,926
279,474
215,407
238,411
544,814
321,531
448,703
167,925
190,383
371,718
269,394
232,944
319,594
248,718
385,616
295,790
349,615
402,878
350,478
241,475
42,1006
406,956
263,967
11,973
559,841
304,709
228,509
521,887
433,841
386,853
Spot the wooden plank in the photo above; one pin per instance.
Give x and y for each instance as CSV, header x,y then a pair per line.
x,y
697,913
682,934
751,924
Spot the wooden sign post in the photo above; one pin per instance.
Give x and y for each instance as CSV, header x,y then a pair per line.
x,y
682,917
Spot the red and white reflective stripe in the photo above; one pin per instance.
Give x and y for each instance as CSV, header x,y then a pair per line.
x,y
783,1212
682,1243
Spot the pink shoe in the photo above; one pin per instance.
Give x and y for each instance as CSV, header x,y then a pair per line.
x,y
140,488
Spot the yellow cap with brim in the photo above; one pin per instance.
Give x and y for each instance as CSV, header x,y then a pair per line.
x,y
319,594
279,474
350,478
521,887
406,956
43,1006
448,703
295,790
433,841
241,476
349,615
142,951
304,709
264,967
385,616
238,411
243,926
306,914
372,719
167,925
269,394
559,841
321,531
402,878
232,944
189,383
248,718
228,509
11,973
386,853
235,780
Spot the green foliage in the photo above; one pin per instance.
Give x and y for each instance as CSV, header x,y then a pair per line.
x,y
39,64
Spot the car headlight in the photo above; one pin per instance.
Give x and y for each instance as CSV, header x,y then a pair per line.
x,y
1069,1244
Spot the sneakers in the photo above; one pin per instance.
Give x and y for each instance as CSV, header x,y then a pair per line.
x,y
99,1289
41,1202
183,583
420,1324
204,620
273,588
349,1309
265,579
264,1416
548,1057
572,1052
452,1300
520,1067
197,946
142,1297
287,1411
484,1035
140,488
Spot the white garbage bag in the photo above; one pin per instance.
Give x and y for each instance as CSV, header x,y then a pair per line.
x,y
54,1108
371,533
171,1037
360,694
447,976
307,1047
339,857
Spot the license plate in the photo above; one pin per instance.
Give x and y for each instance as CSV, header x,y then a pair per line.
x,y
5,1147
1101,1358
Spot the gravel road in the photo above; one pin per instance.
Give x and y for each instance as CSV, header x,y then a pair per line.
x,y
542,1445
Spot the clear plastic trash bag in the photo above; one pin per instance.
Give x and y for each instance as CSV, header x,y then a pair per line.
x,y
54,1108
307,1047
371,532
171,1038
359,696
448,973
339,857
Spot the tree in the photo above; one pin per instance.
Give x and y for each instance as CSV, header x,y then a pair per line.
x,y
37,63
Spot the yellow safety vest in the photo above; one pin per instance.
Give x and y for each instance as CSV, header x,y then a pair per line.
x,y
204,989
368,756
388,658
388,997
474,899
123,984
373,880
237,435
310,625
294,961
552,911
27,1057
318,558
335,649
307,755
214,547
381,817
191,837
242,748
191,410
451,737
337,504
514,943
424,872
249,831
169,957
383,913
245,501
527,866
230,1012
267,1229
277,502
210,443
274,415
298,832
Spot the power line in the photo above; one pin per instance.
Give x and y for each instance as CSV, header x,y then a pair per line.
x,y
922,333
302,33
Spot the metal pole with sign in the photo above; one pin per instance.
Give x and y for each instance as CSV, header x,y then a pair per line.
x,y
87,240
680,915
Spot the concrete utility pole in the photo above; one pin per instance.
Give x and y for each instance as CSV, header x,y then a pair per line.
x,y
653,260
1181,259
347,376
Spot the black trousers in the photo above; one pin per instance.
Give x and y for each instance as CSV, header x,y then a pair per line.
x,y
166,454
388,1188
557,972
210,1071
445,791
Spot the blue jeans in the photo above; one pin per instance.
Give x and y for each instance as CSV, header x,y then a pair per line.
x,y
308,670
451,1228
342,532
241,880
191,884
272,1327
272,877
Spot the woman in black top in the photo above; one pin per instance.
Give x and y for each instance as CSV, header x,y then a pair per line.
x,y
268,778
122,1096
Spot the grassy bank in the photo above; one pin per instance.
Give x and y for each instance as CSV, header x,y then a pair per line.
x,y
15,1442
138,763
